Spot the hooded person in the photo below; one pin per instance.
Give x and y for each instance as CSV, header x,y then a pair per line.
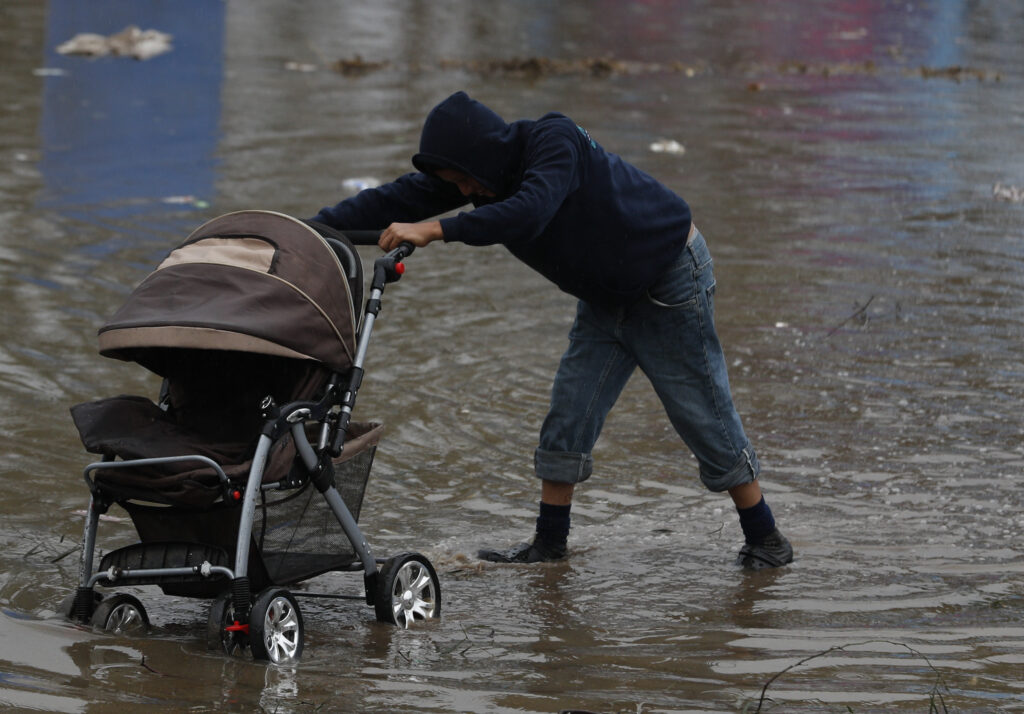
x,y
622,243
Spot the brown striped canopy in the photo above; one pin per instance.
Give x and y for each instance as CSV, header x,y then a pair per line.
x,y
252,281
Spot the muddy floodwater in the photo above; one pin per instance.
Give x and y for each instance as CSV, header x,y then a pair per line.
x,y
857,170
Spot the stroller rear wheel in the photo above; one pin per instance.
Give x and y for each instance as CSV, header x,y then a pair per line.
x,y
121,614
407,590
275,627
222,616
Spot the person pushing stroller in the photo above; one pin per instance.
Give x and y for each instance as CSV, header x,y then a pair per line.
x,y
623,244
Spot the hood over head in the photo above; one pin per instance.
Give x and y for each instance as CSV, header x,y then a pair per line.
x,y
461,133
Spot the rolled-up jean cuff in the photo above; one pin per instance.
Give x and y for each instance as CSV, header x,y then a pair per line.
x,y
562,466
745,470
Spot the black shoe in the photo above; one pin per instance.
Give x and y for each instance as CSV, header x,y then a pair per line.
x,y
772,552
536,552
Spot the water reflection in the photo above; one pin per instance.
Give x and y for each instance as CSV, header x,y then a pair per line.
x,y
120,134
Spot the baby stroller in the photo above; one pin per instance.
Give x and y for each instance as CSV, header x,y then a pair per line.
x,y
246,477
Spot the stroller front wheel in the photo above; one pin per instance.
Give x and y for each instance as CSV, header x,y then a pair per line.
x,y
275,627
121,614
408,590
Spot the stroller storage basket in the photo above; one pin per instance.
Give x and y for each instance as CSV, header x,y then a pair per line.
x,y
295,531
293,538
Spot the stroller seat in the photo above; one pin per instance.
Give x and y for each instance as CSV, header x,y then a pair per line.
x,y
181,509
211,409
129,427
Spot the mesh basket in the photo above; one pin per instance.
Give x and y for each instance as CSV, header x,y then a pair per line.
x,y
297,533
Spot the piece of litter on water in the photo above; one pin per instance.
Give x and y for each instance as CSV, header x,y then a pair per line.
x,y
85,43
185,201
1013,194
667,146
48,72
129,42
782,324
859,34
300,67
103,516
359,183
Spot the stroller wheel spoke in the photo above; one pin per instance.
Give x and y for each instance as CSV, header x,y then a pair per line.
x,y
398,613
422,582
421,609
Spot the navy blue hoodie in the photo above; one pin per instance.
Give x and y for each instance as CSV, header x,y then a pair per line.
x,y
597,227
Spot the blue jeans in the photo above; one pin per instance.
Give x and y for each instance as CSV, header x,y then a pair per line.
x,y
670,335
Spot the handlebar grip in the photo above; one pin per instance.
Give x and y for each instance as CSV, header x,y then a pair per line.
x,y
404,250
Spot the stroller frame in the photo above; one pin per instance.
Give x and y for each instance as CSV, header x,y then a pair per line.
x,y
403,589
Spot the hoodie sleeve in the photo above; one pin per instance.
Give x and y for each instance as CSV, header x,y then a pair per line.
x,y
551,174
409,198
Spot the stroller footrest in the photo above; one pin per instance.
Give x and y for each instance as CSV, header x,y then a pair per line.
x,y
163,556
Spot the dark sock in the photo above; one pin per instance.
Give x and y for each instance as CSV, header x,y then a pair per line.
x,y
757,522
553,524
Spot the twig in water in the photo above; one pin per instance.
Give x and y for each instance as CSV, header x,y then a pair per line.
x,y
940,683
146,666
65,554
859,312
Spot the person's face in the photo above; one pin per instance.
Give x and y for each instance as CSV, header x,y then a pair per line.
x,y
468,186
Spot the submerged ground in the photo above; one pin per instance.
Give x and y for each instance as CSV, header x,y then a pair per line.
x,y
855,168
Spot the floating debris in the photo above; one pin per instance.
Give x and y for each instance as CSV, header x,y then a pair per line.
x,y
667,146
1013,194
185,201
534,67
958,73
86,43
859,34
530,67
300,67
355,185
867,68
103,517
356,66
829,69
48,72
545,66
129,42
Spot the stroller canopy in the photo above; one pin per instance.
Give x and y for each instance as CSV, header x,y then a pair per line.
x,y
251,281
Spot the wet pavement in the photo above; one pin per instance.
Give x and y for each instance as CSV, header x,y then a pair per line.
x,y
856,171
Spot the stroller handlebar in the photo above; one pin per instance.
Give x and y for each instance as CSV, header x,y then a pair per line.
x,y
362,237
404,249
